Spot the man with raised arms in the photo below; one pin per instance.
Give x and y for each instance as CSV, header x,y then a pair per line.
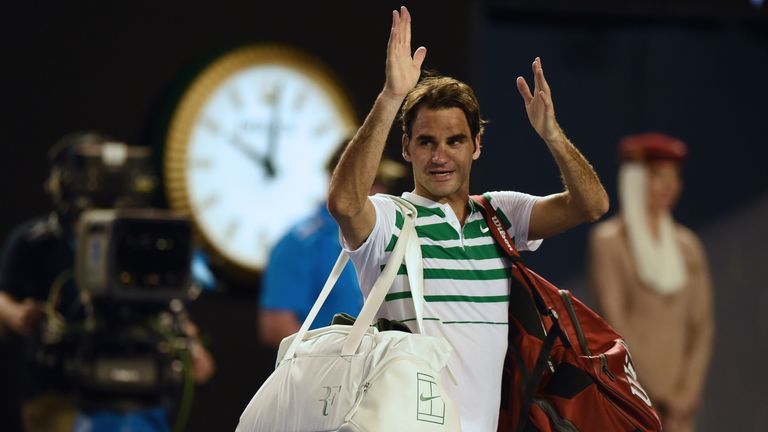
x,y
466,277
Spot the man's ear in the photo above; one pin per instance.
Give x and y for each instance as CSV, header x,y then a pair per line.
x,y
406,153
478,147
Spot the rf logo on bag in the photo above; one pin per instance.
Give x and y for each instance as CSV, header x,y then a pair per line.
x,y
330,397
430,406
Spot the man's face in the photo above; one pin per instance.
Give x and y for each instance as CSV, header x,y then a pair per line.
x,y
441,151
664,185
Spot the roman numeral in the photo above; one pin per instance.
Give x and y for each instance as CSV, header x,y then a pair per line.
x,y
235,98
202,163
321,129
211,125
299,101
231,229
209,201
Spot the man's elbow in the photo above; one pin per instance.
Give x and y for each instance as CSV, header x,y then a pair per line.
x,y
600,209
341,207
595,211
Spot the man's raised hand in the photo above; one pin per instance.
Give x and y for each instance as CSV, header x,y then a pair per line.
x,y
541,111
403,70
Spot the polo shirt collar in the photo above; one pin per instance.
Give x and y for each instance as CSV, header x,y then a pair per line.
x,y
421,201
428,203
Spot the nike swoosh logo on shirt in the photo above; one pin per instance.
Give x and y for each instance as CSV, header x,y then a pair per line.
x,y
484,229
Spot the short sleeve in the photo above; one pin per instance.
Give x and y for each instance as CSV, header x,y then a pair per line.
x,y
368,257
514,209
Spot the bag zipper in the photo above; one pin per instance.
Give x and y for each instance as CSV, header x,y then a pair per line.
x,y
622,398
603,359
561,424
363,389
359,399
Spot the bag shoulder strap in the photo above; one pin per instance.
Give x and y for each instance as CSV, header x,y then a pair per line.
x,y
407,247
531,384
501,236
499,232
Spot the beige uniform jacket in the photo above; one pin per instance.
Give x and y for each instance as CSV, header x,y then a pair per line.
x,y
669,336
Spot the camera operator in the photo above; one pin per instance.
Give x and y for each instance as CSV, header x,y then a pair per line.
x,y
37,285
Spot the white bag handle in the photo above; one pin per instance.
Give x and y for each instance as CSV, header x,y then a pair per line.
x,y
406,247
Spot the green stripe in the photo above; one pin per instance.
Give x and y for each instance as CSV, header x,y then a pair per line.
x,y
414,319
428,211
473,229
437,232
492,274
449,298
399,219
468,252
476,322
391,245
457,322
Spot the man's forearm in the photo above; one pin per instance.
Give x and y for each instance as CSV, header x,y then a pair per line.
x,y
356,171
580,179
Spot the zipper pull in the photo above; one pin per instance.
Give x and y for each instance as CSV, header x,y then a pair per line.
x,y
361,392
604,363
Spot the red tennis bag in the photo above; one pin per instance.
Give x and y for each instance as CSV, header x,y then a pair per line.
x,y
566,369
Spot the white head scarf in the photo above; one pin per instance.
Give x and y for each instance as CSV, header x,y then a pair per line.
x,y
659,262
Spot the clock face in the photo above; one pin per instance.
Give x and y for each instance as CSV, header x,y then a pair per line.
x,y
251,160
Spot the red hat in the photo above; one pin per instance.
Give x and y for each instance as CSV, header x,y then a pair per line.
x,y
651,146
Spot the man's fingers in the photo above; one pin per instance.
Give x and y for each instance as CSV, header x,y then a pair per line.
x,y
396,33
543,85
395,19
419,55
524,90
392,33
406,18
536,67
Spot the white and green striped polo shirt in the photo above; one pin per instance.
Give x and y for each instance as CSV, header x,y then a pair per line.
x,y
466,288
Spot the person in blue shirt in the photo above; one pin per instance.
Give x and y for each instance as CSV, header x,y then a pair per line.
x,y
300,263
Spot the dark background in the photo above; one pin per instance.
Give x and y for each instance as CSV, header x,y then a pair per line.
x,y
696,70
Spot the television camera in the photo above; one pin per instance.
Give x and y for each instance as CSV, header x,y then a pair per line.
x,y
127,349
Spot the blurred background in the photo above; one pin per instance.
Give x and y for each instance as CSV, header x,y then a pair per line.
x,y
697,70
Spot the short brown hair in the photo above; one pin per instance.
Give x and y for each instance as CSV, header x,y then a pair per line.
x,y
440,92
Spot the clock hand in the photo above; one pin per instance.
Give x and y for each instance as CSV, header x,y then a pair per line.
x,y
249,152
273,129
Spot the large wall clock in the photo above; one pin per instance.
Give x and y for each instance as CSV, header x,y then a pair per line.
x,y
246,148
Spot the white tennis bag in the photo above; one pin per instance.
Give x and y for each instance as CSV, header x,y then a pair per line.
x,y
355,378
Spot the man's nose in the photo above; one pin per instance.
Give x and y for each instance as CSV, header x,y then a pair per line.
x,y
438,154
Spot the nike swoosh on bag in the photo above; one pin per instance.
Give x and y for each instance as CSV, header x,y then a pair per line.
x,y
425,399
